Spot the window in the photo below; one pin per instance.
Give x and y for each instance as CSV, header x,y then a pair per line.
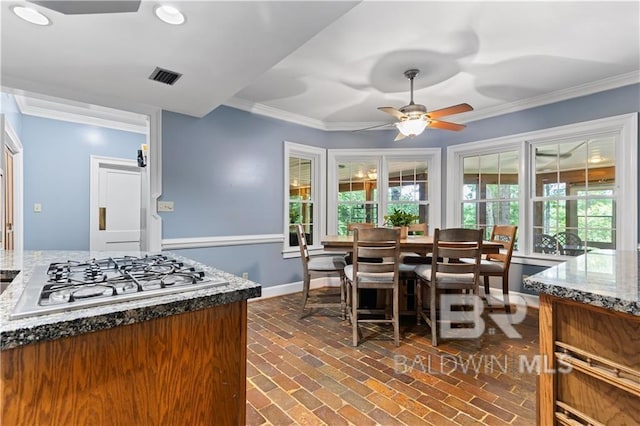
x,y
570,189
365,187
574,200
490,191
357,192
304,174
408,187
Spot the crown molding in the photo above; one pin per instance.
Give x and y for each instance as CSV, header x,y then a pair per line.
x,y
548,98
78,112
276,113
557,96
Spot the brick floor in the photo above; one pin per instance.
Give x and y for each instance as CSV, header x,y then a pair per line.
x,y
305,371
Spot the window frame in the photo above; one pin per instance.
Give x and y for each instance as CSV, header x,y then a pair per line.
x,y
318,158
432,156
626,129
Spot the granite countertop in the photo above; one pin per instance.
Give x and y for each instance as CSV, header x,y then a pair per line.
x,y
604,278
18,332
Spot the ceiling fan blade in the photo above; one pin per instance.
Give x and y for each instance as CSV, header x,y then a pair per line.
x,y
399,137
373,127
455,109
553,154
396,113
445,125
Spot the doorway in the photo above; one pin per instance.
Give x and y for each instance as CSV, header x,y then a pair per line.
x,y
10,187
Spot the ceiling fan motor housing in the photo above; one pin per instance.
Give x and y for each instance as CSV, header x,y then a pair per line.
x,y
413,110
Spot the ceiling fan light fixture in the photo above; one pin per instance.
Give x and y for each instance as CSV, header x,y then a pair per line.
x,y
30,15
411,127
169,14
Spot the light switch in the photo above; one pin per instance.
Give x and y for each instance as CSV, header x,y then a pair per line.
x,y
37,208
165,206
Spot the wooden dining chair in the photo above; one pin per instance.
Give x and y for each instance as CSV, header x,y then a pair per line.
x,y
374,243
320,265
408,263
497,264
447,272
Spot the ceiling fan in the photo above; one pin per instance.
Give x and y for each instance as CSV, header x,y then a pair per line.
x,y
414,118
83,7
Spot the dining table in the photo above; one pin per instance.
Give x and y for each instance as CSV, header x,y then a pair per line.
x,y
419,244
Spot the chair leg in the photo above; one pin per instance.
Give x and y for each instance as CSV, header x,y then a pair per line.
x,y
487,287
418,301
505,292
433,314
305,293
343,289
354,313
396,317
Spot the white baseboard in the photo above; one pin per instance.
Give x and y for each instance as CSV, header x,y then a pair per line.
x,y
284,289
531,301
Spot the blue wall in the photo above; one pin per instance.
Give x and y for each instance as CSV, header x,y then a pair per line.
x,y
56,175
225,171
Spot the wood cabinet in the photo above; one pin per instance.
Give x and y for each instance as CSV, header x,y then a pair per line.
x,y
592,371
188,368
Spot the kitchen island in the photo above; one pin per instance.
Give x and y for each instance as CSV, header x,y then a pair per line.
x,y
178,358
589,339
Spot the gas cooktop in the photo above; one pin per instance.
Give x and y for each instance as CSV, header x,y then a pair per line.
x,y
79,284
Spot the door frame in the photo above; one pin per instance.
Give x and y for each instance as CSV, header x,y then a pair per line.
x,y
15,146
96,162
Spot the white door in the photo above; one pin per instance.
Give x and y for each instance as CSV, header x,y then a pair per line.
x,y
115,204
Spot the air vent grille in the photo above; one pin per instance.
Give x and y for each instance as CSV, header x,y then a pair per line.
x,y
165,76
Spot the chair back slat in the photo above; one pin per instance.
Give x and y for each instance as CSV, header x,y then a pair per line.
x,y
452,244
376,250
302,242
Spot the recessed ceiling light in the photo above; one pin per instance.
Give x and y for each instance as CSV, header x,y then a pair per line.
x,y
170,15
30,15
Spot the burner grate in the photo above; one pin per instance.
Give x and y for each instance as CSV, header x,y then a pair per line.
x,y
76,284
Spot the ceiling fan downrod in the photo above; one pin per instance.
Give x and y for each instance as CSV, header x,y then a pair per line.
x,y
410,74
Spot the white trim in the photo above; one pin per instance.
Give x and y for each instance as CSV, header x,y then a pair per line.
x,y
153,232
625,125
318,158
531,300
480,114
291,288
78,112
276,113
224,241
15,146
433,157
13,143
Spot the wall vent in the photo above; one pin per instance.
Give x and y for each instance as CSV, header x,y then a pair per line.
x,y
164,76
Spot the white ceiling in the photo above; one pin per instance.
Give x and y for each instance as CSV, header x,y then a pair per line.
x,y
326,64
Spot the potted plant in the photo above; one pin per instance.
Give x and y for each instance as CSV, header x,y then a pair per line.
x,y
294,217
401,219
